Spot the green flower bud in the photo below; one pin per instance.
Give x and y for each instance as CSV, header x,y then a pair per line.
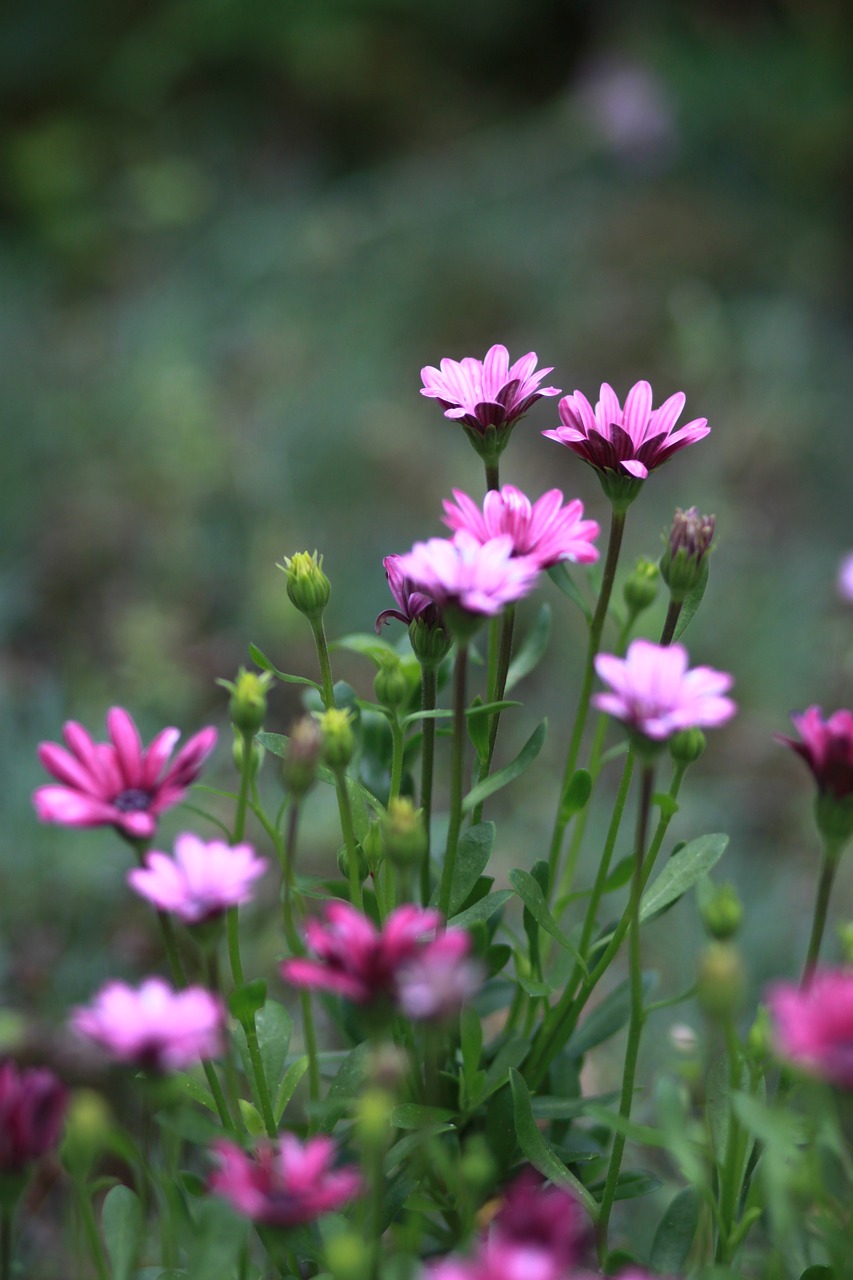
x,y
687,745
431,643
641,586
301,756
348,1256
373,845
760,1040
720,985
722,911
248,705
307,585
338,738
88,1128
391,686
404,832
372,1112
343,863
687,545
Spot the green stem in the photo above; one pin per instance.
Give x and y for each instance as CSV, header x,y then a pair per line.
x,y
673,613
237,834
296,947
345,814
729,1185
635,1025
617,528
328,691
824,890
429,687
396,757
457,762
496,693
607,853
6,1237
493,478
90,1227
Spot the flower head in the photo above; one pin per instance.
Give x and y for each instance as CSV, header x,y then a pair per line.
x,y
624,445
32,1111
545,530
201,881
118,783
469,576
286,1183
438,980
154,1026
413,603
654,693
814,1025
827,748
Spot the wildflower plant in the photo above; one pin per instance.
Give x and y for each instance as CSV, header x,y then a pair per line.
x,y
402,1095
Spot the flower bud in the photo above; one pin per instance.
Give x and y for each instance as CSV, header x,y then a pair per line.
x,y
760,1040
687,746
721,910
338,738
307,585
248,705
88,1125
343,863
689,541
391,686
430,642
720,984
372,1112
641,586
404,832
301,756
348,1256
256,753
373,845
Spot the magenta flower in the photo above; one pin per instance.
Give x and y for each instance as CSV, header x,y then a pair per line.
x,y
545,530
814,1025
32,1112
286,1183
361,962
654,693
413,603
154,1026
844,580
827,748
487,393
201,881
118,783
624,445
438,980
464,574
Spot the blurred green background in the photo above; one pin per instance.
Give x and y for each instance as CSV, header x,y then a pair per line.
x,y
230,236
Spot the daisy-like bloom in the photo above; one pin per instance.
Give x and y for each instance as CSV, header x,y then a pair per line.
x,y
467,576
545,530
440,978
624,445
118,783
32,1112
827,748
814,1025
154,1026
286,1183
654,693
201,881
487,396
413,604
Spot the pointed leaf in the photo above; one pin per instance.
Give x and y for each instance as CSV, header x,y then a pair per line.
x,y
289,1082
537,1150
607,1018
368,646
692,601
676,1230
122,1223
472,855
478,730
559,575
576,795
534,900
261,660
682,871
482,910
532,649
503,777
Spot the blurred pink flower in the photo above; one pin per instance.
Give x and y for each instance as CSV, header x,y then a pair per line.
x,y
654,693
545,530
486,393
413,603
814,1024
202,880
286,1183
32,1111
844,581
479,578
827,748
438,980
118,783
154,1026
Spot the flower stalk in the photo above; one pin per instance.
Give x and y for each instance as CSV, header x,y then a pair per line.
x,y
457,765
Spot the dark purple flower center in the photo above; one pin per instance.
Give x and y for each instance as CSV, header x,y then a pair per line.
x,y
133,800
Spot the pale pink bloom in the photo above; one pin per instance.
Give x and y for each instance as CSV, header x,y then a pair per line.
x,y
32,1111
437,981
654,693
486,393
632,441
814,1024
287,1182
414,604
826,747
545,530
844,581
118,782
479,578
357,960
154,1026
201,881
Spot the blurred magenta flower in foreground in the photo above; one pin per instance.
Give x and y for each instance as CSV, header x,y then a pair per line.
x,y
844,581
287,1182
654,693
826,747
487,393
154,1026
201,881
814,1024
462,573
118,783
438,980
32,1111
545,530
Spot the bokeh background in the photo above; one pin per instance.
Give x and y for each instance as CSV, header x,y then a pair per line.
x,y
230,236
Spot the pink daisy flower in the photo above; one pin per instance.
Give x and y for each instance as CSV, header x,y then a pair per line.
x,y
201,881
545,530
487,393
154,1026
438,980
814,1025
477,578
118,783
32,1111
413,604
827,748
286,1183
654,693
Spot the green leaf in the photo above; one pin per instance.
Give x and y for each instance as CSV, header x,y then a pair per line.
x,y
534,900
122,1223
537,1150
635,1183
776,1128
367,645
482,910
607,1018
345,1086
675,1232
681,873
532,649
620,874
411,1115
642,1134
287,1087
219,1236
275,1027
261,660
244,1002
562,580
471,1043
478,730
692,601
503,777
576,795
472,855
548,1108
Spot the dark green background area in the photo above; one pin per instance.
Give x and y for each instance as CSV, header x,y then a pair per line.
x,y
230,236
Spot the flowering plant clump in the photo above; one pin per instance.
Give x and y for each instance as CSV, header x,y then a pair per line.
x,y
407,1076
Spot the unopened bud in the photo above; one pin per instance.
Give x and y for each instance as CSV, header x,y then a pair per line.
x,y
722,911
720,984
391,686
338,738
248,705
688,543
687,745
760,1041
641,586
348,1256
404,832
88,1125
307,585
372,1114
361,862
430,641
301,756
373,845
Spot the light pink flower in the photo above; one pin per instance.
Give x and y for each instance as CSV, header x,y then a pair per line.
x,y
844,581
438,980
154,1026
32,1111
486,393
654,693
357,960
287,1182
827,748
201,881
414,604
632,441
117,782
545,530
479,578
814,1024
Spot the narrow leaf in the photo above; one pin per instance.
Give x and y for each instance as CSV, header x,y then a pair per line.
x,y
562,580
288,1085
482,910
682,871
121,1219
532,649
692,601
503,777
606,1018
472,855
537,1150
676,1230
368,646
261,660
478,731
534,900
576,795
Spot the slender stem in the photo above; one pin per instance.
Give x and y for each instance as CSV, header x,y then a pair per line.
x,y
673,613
493,479
496,693
396,757
607,854
635,1025
237,834
617,528
6,1244
296,947
729,1184
345,813
457,762
824,890
322,648
429,686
